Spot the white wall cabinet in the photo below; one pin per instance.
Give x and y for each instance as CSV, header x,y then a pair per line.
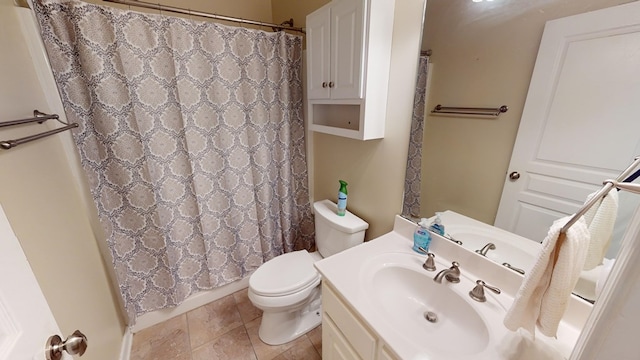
x,y
344,335
334,34
348,61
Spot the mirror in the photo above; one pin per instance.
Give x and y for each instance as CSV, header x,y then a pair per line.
x,y
483,55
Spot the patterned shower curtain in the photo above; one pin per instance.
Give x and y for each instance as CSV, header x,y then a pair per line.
x,y
191,136
411,201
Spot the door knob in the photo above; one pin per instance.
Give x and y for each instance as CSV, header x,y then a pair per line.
x,y
514,175
330,84
75,344
324,84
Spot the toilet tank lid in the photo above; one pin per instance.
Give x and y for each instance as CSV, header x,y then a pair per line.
x,y
348,223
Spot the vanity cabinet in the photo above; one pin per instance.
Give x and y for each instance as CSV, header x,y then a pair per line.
x,y
348,62
344,335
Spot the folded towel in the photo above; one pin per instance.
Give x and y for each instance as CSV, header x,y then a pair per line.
x,y
600,220
546,289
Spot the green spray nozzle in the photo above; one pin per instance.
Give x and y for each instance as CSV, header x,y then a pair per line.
x,y
343,187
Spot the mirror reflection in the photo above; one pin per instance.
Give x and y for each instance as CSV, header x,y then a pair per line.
x,y
484,55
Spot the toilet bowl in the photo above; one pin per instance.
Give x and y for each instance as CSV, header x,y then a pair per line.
x,y
287,287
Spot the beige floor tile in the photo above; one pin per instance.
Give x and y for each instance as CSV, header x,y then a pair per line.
x,y
264,351
233,345
303,350
248,312
315,336
212,320
167,340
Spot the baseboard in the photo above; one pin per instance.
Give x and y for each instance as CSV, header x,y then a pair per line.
x,y
127,340
192,302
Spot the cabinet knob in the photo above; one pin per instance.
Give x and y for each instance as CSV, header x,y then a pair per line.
x,y
324,84
331,84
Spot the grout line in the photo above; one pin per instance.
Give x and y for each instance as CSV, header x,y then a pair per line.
x,y
188,336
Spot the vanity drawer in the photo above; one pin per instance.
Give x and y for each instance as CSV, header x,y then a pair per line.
x,y
358,335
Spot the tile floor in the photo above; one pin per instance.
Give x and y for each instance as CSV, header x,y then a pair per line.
x,y
224,329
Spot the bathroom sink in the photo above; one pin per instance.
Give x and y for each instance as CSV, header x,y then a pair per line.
x,y
440,317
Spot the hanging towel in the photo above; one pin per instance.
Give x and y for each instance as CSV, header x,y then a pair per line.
x,y
600,219
546,289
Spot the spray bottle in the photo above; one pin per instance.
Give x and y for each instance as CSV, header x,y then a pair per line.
x,y
342,198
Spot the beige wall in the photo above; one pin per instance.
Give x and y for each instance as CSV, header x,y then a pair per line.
x,y
483,55
55,222
42,193
374,169
295,9
45,208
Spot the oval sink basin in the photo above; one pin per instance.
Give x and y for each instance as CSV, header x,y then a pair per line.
x,y
405,294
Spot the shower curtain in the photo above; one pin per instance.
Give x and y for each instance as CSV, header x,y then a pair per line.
x,y
191,136
411,201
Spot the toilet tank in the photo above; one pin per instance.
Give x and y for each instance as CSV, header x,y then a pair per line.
x,y
336,233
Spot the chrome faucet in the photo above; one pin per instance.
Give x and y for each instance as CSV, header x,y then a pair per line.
x,y
485,249
452,274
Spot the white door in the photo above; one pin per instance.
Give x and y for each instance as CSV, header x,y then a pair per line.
x,y
581,120
26,321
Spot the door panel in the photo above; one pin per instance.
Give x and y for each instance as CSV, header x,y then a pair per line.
x,y
579,125
26,322
318,34
346,49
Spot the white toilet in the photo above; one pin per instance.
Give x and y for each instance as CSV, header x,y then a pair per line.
x,y
287,287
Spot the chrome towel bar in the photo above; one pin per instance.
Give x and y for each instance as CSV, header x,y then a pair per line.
x,y
608,185
38,117
477,111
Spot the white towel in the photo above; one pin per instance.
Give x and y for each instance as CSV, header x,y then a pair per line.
x,y
546,289
600,220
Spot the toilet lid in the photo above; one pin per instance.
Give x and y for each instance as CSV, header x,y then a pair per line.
x,y
284,274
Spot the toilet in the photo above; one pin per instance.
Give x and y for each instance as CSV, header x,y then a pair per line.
x,y
287,287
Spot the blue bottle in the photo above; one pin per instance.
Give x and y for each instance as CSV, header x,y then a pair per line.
x,y
436,226
421,237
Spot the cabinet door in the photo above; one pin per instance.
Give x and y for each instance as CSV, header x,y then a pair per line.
x,y
334,345
318,47
347,29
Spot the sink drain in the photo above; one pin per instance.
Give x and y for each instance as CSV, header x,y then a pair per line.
x,y
431,316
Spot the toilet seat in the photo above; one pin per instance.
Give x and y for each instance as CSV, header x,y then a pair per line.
x,y
284,275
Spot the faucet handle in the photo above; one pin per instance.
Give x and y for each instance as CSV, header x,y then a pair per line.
x,y
477,293
429,264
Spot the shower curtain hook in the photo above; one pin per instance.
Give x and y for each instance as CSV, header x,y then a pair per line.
x,y
159,9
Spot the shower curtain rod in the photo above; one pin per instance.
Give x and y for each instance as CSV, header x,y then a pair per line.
x,y
159,7
608,185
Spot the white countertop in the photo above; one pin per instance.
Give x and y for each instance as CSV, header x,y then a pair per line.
x,y
344,271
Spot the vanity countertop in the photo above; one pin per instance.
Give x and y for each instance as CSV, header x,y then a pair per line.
x,y
347,272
